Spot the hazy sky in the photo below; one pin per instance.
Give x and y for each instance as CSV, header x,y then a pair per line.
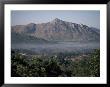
x,y
22,17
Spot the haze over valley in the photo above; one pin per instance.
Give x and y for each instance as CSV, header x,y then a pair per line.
x,y
55,36
55,49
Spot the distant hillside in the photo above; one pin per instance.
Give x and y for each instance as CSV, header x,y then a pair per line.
x,y
23,38
59,30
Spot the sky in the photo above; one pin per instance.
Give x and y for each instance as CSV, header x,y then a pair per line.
x,y
90,18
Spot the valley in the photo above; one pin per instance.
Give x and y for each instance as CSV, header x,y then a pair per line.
x,y
55,49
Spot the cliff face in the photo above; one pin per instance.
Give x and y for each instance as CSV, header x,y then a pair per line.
x,y
59,30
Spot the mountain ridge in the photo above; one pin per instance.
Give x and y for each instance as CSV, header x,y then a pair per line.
x,y
59,30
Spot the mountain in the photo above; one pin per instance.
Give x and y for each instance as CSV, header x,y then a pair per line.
x,y
59,30
23,38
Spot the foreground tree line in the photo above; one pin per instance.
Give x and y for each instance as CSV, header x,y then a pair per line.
x,y
55,66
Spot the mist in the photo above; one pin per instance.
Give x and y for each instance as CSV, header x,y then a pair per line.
x,y
58,47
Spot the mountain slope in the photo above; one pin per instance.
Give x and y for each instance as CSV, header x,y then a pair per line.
x,y
22,38
58,30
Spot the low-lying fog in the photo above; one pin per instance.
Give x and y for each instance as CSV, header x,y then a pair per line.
x,y
58,47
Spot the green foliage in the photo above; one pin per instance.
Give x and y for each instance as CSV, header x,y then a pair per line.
x,y
88,66
55,66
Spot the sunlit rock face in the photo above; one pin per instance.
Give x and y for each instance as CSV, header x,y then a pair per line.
x,y
59,30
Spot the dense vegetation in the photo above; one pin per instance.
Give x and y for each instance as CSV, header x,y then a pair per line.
x,y
55,66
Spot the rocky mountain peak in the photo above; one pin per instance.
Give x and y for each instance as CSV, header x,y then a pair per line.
x,y
59,30
57,20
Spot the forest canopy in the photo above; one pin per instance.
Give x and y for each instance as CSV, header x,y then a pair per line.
x,y
55,66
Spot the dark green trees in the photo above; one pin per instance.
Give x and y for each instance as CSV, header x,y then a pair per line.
x,y
55,66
